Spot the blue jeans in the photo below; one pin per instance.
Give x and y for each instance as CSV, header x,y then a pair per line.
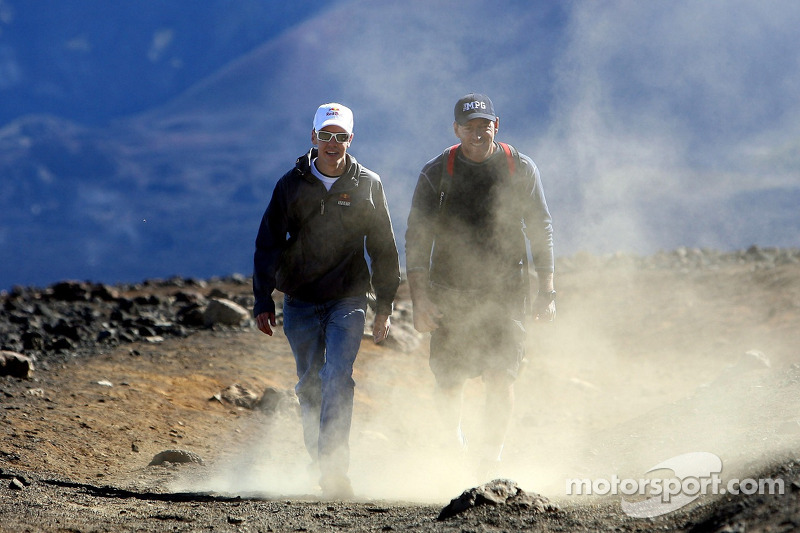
x,y
325,339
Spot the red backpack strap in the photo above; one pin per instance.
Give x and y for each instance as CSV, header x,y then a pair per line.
x,y
512,165
448,165
451,158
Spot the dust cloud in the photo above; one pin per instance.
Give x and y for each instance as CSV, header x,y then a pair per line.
x,y
640,366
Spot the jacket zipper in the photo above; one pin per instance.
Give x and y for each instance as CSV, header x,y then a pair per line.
x,y
322,207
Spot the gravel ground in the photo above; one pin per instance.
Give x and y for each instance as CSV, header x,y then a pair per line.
x,y
691,351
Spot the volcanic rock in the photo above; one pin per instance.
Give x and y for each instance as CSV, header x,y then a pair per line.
x,y
175,456
15,365
497,492
225,312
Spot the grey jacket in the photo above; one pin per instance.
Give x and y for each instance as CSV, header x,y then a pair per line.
x,y
476,240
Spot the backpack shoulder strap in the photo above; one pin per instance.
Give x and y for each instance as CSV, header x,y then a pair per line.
x,y
451,158
512,156
448,164
449,161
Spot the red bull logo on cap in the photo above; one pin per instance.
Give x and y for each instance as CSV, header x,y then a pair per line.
x,y
333,114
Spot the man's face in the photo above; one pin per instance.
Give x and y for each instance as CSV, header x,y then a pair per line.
x,y
477,138
331,153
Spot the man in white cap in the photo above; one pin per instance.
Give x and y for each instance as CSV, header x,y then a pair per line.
x,y
322,216
467,262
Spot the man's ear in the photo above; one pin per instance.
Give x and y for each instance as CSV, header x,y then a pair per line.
x,y
313,136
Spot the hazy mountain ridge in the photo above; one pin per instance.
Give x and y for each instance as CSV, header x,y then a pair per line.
x,y
89,201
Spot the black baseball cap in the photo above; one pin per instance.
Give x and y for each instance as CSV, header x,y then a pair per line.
x,y
474,105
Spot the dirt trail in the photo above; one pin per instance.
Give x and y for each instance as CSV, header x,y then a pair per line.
x,y
642,365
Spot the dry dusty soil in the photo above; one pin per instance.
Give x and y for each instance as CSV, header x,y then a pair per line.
x,y
645,363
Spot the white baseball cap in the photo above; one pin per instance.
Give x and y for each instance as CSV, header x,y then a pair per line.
x,y
334,114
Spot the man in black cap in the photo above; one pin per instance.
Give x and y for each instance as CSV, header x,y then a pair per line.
x,y
473,208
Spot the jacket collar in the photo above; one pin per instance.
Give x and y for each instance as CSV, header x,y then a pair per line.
x,y
303,166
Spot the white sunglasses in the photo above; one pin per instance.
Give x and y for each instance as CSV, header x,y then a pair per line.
x,y
326,136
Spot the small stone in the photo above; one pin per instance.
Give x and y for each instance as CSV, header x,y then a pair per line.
x,y
15,364
240,396
225,312
497,492
272,400
175,456
71,291
754,359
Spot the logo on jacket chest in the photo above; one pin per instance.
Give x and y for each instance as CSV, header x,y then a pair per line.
x,y
344,199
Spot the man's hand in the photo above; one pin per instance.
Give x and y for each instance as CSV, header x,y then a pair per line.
x,y
426,314
544,306
380,328
265,322
544,309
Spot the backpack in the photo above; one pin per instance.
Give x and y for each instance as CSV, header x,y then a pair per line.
x,y
449,155
512,158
